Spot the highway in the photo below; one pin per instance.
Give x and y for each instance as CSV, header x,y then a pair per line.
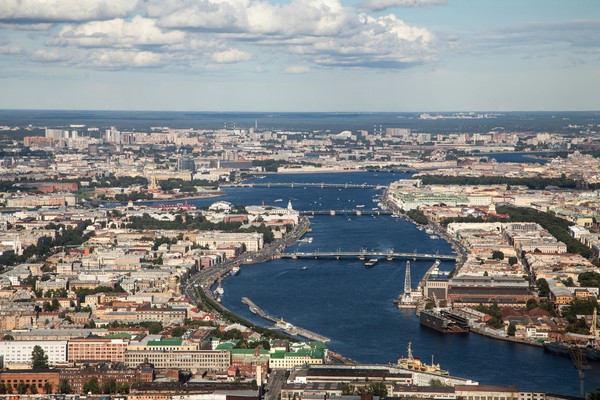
x,y
206,277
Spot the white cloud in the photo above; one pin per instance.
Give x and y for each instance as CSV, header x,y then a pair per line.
x,y
296,69
378,5
323,29
120,59
230,56
119,33
34,11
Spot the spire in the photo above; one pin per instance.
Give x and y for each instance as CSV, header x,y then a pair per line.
x,y
289,206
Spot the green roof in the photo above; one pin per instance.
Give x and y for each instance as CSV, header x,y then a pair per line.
x,y
248,351
165,342
119,335
228,345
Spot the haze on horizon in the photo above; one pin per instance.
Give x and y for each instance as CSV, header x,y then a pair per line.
x,y
300,55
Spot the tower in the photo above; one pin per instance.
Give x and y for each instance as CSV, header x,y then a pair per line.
x,y
289,206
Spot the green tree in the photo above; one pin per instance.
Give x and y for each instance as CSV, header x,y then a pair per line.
x,y
21,388
109,387
33,389
64,387
178,331
92,386
543,288
47,388
8,337
497,255
123,388
512,260
511,330
39,359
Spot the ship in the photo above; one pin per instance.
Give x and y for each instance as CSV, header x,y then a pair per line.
x,y
590,350
444,321
371,263
565,349
235,271
415,364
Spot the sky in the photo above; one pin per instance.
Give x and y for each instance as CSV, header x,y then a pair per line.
x,y
300,55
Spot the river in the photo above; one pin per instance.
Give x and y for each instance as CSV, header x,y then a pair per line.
x,y
353,305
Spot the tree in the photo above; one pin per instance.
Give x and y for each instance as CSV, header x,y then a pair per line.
x,y
33,389
47,388
512,260
512,329
123,388
497,255
544,289
21,388
64,387
8,337
178,331
92,386
109,387
39,359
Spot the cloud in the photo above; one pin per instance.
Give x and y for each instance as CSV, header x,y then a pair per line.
x,y
118,33
296,69
378,5
540,35
10,48
120,59
320,31
231,56
40,11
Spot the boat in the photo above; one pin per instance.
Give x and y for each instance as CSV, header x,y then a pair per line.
x,y
429,231
360,206
235,271
590,350
304,268
371,263
306,240
434,237
444,321
415,364
277,200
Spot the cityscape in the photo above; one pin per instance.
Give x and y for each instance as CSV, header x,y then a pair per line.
x,y
299,200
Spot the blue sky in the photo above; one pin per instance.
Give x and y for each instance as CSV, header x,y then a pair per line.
x,y
300,55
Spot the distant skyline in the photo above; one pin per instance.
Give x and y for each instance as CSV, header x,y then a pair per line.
x,y
300,55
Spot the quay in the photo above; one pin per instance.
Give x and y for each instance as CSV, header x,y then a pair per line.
x,y
362,254
345,212
289,328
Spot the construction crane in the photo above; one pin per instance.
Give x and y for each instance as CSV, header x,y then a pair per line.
x,y
581,365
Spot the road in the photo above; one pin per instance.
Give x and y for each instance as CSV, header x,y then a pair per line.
x,y
276,381
206,277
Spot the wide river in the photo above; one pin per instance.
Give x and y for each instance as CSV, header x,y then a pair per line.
x,y
353,305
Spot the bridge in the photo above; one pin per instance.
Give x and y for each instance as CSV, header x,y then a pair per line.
x,y
321,185
345,212
363,254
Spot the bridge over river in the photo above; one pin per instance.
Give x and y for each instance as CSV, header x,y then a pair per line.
x,y
363,254
321,185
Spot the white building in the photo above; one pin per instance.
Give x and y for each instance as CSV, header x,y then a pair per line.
x,y
18,352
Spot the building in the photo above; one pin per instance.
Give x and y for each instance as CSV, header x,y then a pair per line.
x,y
197,360
18,352
41,380
79,376
97,350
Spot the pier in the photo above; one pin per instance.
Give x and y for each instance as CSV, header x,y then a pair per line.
x,y
363,254
357,212
286,326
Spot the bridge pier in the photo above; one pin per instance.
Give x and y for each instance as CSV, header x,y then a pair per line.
x,y
358,212
332,212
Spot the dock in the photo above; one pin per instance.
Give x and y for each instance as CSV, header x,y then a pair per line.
x,y
286,326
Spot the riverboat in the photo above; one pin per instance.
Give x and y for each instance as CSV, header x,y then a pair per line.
x,y
371,263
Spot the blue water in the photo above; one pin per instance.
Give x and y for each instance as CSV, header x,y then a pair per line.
x,y
353,305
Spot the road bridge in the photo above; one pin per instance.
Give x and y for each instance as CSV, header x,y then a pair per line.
x,y
321,185
345,212
363,254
